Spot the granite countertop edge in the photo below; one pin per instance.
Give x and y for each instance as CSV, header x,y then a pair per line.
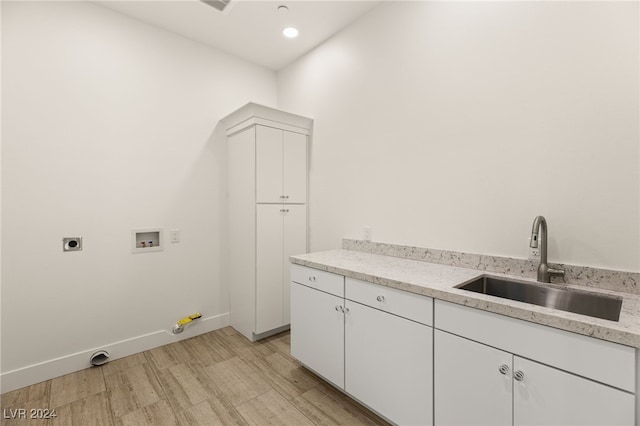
x,y
439,281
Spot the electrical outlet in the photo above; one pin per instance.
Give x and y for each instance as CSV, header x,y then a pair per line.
x,y
72,244
367,233
534,253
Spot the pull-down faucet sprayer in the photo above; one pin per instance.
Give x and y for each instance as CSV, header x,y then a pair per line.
x,y
539,232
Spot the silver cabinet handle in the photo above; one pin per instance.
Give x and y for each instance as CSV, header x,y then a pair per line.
x,y
518,375
339,308
312,279
504,369
380,298
284,197
284,210
346,310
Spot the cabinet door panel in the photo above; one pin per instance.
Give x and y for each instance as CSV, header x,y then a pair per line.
x,y
468,387
269,272
388,364
241,231
295,167
295,242
548,396
268,165
317,332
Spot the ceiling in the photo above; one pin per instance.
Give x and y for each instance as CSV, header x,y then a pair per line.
x,y
250,29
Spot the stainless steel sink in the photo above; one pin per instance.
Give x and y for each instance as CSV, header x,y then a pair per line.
x,y
579,302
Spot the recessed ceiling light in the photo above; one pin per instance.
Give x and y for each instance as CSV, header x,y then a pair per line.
x,y
290,32
283,9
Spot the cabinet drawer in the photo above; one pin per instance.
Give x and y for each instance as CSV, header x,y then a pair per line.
x,y
596,359
408,305
320,280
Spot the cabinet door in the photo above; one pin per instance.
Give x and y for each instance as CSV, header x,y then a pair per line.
x,y
548,396
269,165
269,269
469,389
388,364
317,332
294,242
294,179
281,166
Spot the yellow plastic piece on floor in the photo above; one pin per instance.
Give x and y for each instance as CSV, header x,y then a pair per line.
x,y
188,319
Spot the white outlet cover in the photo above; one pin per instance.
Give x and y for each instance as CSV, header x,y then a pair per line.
x,y
534,253
367,234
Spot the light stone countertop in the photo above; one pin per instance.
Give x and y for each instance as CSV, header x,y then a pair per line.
x,y
438,281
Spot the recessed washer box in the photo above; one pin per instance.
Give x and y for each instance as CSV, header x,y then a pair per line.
x,y
146,240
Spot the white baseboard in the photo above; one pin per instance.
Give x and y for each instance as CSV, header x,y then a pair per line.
x,y
36,373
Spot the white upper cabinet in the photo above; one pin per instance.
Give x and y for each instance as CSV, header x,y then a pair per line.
x,y
294,167
269,165
281,166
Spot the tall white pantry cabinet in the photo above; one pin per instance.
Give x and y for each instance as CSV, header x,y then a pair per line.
x,y
267,183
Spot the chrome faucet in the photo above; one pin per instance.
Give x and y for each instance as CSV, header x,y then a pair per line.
x,y
544,272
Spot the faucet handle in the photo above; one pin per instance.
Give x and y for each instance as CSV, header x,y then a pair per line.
x,y
556,272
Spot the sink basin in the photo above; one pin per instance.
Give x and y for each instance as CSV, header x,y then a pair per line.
x,y
591,304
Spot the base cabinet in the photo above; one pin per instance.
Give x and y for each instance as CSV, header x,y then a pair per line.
x,y
469,387
416,362
495,370
476,384
388,364
548,396
356,338
317,332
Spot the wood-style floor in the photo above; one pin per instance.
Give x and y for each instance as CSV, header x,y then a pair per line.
x,y
218,378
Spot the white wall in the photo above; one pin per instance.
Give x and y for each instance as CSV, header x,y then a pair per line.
x,y
451,125
109,124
